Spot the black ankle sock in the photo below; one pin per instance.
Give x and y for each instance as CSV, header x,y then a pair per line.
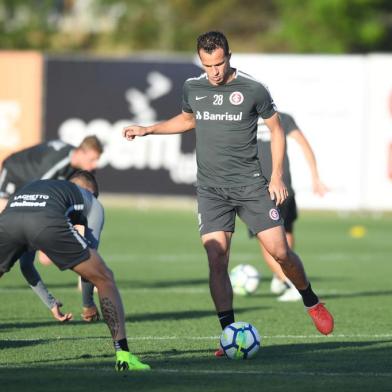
x,y
121,344
309,297
226,318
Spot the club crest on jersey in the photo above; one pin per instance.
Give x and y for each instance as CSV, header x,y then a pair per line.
x,y
274,214
236,98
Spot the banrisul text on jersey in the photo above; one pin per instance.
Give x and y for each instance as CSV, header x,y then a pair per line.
x,y
226,128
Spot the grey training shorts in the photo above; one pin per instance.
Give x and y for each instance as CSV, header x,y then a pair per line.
x,y
218,207
51,233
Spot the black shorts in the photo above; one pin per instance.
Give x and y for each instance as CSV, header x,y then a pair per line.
x,y
288,211
218,207
289,214
49,232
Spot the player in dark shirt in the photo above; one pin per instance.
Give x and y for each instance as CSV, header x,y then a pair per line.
x,y
223,106
280,284
42,216
49,160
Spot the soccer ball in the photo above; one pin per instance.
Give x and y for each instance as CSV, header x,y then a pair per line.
x,y
244,279
240,340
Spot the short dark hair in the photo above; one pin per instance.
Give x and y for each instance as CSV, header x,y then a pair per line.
x,y
87,178
211,41
91,143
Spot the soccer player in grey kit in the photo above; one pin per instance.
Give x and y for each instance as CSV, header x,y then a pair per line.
x,y
223,106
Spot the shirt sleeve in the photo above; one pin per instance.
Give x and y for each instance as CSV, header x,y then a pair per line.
x,y
92,218
265,105
185,99
95,222
56,160
288,123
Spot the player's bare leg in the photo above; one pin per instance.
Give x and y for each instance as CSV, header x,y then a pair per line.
x,y
275,242
217,246
95,270
3,203
273,265
280,283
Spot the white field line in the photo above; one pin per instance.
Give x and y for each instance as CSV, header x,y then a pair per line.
x,y
156,338
212,371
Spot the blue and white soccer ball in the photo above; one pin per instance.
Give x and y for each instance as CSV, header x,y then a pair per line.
x,y
240,340
244,279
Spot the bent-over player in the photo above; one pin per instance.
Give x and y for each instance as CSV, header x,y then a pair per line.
x,y
41,216
50,160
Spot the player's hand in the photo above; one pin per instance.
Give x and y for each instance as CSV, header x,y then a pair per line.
x,y
278,191
319,188
134,130
58,315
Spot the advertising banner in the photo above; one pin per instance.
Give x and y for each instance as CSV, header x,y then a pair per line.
x,y
95,96
20,100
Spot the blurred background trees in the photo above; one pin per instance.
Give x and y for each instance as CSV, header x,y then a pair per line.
x,y
121,27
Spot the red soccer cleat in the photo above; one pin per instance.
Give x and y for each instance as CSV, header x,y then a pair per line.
x,y
322,319
219,353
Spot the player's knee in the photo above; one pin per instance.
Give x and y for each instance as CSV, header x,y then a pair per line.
x,y
215,250
281,255
101,276
106,275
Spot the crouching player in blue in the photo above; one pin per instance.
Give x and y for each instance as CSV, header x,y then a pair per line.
x,y
41,216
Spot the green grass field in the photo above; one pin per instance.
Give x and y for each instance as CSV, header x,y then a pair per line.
x,y
162,272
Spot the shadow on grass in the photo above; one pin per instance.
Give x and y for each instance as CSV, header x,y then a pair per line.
x,y
358,294
16,343
178,315
182,315
344,366
70,285
160,284
38,324
125,284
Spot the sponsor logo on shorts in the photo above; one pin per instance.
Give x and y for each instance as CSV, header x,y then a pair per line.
x,y
274,214
236,98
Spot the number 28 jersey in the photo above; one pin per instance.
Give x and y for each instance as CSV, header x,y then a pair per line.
x,y
226,128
